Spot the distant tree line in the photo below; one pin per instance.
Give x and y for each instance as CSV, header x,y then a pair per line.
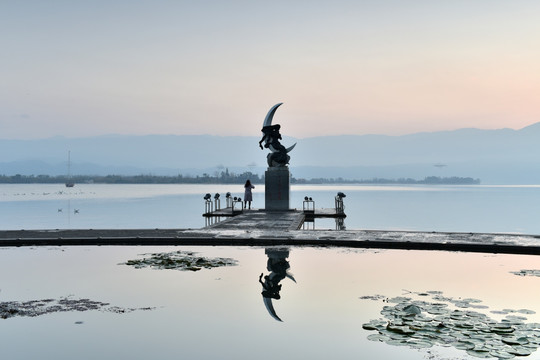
x,y
225,177
430,180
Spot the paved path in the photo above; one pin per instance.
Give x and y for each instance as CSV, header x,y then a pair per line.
x,y
259,228
262,220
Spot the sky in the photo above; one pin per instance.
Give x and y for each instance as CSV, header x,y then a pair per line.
x,y
85,68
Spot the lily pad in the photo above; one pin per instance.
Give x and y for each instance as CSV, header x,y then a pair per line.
x,y
397,342
400,329
501,354
420,344
479,353
464,345
515,341
520,351
526,311
399,299
412,309
378,337
375,325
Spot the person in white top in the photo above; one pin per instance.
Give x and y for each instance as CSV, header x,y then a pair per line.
x,y
248,197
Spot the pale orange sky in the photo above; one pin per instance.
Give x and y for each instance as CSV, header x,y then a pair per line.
x,y
340,67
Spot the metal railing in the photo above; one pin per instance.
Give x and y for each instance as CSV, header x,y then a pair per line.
x,y
208,205
340,207
237,205
308,205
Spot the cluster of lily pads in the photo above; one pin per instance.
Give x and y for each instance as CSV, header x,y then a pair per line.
x,y
526,273
445,321
179,260
34,308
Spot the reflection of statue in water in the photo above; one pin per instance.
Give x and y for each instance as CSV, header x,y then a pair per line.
x,y
271,136
278,267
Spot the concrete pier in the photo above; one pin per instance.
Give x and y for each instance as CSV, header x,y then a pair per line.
x,y
260,228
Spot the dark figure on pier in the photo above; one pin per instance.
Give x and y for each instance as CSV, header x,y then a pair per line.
x,y
248,196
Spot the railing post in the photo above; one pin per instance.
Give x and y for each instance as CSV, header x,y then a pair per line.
x,y
340,208
208,208
217,202
228,200
237,202
308,205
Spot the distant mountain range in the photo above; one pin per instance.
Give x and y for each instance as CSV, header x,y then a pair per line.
x,y
495,156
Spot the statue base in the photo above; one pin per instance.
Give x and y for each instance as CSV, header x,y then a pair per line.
x,y
277,188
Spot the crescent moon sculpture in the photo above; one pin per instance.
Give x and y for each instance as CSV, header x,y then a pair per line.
x,y
278,153
270,116
270,308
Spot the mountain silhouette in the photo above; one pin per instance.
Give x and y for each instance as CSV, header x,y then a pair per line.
x,y
494,156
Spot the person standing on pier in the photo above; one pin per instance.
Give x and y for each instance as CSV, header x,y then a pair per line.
x,y
248,197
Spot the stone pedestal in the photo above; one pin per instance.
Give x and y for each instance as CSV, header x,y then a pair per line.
x,y
277,188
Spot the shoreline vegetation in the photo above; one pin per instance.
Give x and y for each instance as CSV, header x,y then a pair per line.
x,y
223,178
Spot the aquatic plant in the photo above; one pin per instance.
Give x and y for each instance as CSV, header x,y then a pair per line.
x,y
179,260
445,321
34,308
526,273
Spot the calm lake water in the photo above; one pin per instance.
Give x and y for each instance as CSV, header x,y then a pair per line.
x,y
331,302
220,313
508,209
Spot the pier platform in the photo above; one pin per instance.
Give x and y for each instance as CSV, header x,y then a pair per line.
x,y
317,213
261,228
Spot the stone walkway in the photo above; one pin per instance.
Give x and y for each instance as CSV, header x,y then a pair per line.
x,y
259,228
262,220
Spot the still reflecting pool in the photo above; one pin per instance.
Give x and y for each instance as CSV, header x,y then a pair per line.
x,y
246,303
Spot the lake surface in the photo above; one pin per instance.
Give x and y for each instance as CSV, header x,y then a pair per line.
x,y
477,208
301,302
220,313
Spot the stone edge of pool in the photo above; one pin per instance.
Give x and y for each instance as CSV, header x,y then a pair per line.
x,y
378,239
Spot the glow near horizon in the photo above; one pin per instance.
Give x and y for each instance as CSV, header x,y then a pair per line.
x,y
208,67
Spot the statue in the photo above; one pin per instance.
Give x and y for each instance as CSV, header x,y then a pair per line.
x,y
278,156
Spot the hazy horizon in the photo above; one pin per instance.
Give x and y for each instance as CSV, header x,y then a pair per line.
x,y
255,135
78,69
494,156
